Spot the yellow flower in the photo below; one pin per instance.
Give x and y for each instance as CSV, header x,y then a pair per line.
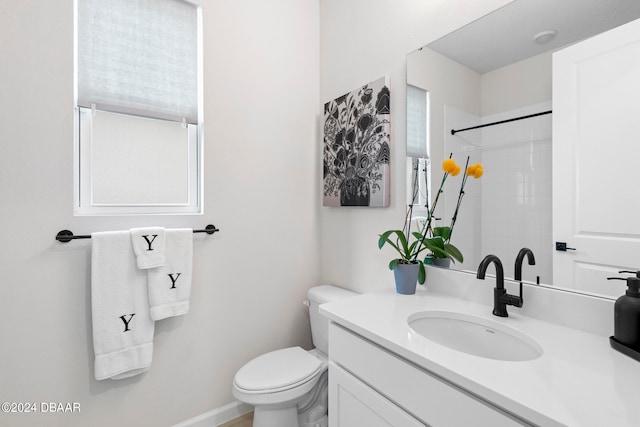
x,y
449,166
475,171
456,170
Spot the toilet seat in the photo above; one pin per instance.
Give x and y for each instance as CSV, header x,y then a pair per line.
x,y
278,371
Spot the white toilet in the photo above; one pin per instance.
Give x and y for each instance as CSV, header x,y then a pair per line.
x,y
288,387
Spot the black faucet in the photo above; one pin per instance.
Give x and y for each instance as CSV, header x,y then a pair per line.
x,y
500,296
519,259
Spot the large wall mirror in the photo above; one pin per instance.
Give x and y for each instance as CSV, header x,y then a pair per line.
x,y
496,69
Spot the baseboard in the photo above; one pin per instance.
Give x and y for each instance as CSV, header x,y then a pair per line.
x,y
217,416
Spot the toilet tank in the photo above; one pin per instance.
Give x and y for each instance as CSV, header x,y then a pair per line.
x,y
320,324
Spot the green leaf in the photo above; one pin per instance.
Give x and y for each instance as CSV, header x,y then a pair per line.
x,y
444,232
405,246
439,253
400,244
393,264
436,242
418,236
453,252
422,275
437,247
384,238
411,250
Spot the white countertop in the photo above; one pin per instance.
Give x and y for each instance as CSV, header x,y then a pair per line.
x,y
578,381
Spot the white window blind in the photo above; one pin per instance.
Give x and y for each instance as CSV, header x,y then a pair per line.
x,y
417,122
139,57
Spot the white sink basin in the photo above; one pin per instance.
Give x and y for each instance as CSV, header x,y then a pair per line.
x,y
474,335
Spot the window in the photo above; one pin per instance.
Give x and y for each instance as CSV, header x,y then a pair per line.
x,y
139,107
418,162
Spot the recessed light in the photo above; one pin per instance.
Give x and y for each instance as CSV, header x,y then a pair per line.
x,y
545,36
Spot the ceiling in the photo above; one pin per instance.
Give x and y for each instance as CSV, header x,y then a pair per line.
x,y
506,35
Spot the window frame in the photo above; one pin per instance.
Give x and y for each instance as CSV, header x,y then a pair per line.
x,y
83,203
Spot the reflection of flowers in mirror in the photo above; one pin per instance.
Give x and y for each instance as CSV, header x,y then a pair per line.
x,y
475,171
437,240
445,233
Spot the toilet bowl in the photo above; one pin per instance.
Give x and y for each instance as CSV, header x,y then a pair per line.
x,y
277,383
288,387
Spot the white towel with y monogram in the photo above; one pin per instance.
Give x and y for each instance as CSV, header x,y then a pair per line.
x,y
170,285
148,245
122,328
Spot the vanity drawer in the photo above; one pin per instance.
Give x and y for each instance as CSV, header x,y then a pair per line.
x,y
414,389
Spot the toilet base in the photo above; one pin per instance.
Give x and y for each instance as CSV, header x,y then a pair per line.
x,y
322,422
312,412
265,416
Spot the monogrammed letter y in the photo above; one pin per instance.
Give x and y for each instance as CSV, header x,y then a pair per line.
x,y
126,322
149,242
173,279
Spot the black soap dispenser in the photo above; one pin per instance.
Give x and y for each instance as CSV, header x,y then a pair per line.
x,y
626,335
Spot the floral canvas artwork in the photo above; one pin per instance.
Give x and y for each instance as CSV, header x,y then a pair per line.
x,y
356,147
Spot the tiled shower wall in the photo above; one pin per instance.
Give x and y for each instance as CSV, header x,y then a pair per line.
x,y
513,203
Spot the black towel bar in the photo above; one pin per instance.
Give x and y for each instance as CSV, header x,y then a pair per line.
x,y
65,236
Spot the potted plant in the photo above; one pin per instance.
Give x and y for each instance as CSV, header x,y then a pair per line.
x,y
442,251
437,240
407,269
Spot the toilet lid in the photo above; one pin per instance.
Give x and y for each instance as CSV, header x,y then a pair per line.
x,y
277,369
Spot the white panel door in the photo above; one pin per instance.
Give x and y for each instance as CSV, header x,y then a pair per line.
x,y
596,160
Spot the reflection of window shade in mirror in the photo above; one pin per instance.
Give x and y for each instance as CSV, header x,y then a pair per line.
x,y
417,122
138,161
139,60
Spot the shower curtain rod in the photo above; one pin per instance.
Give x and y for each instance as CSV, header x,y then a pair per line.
x,y
454,131
65,236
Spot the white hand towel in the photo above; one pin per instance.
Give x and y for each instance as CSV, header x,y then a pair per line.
x,y
122,328
170,285
148,244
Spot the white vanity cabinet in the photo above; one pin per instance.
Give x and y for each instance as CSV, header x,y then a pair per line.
x,y
353,403
369,385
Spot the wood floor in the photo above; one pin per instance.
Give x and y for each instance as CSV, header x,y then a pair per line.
x,y
245,420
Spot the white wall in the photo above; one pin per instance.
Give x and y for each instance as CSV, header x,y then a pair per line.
x,y
362,40
517,85
261,64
